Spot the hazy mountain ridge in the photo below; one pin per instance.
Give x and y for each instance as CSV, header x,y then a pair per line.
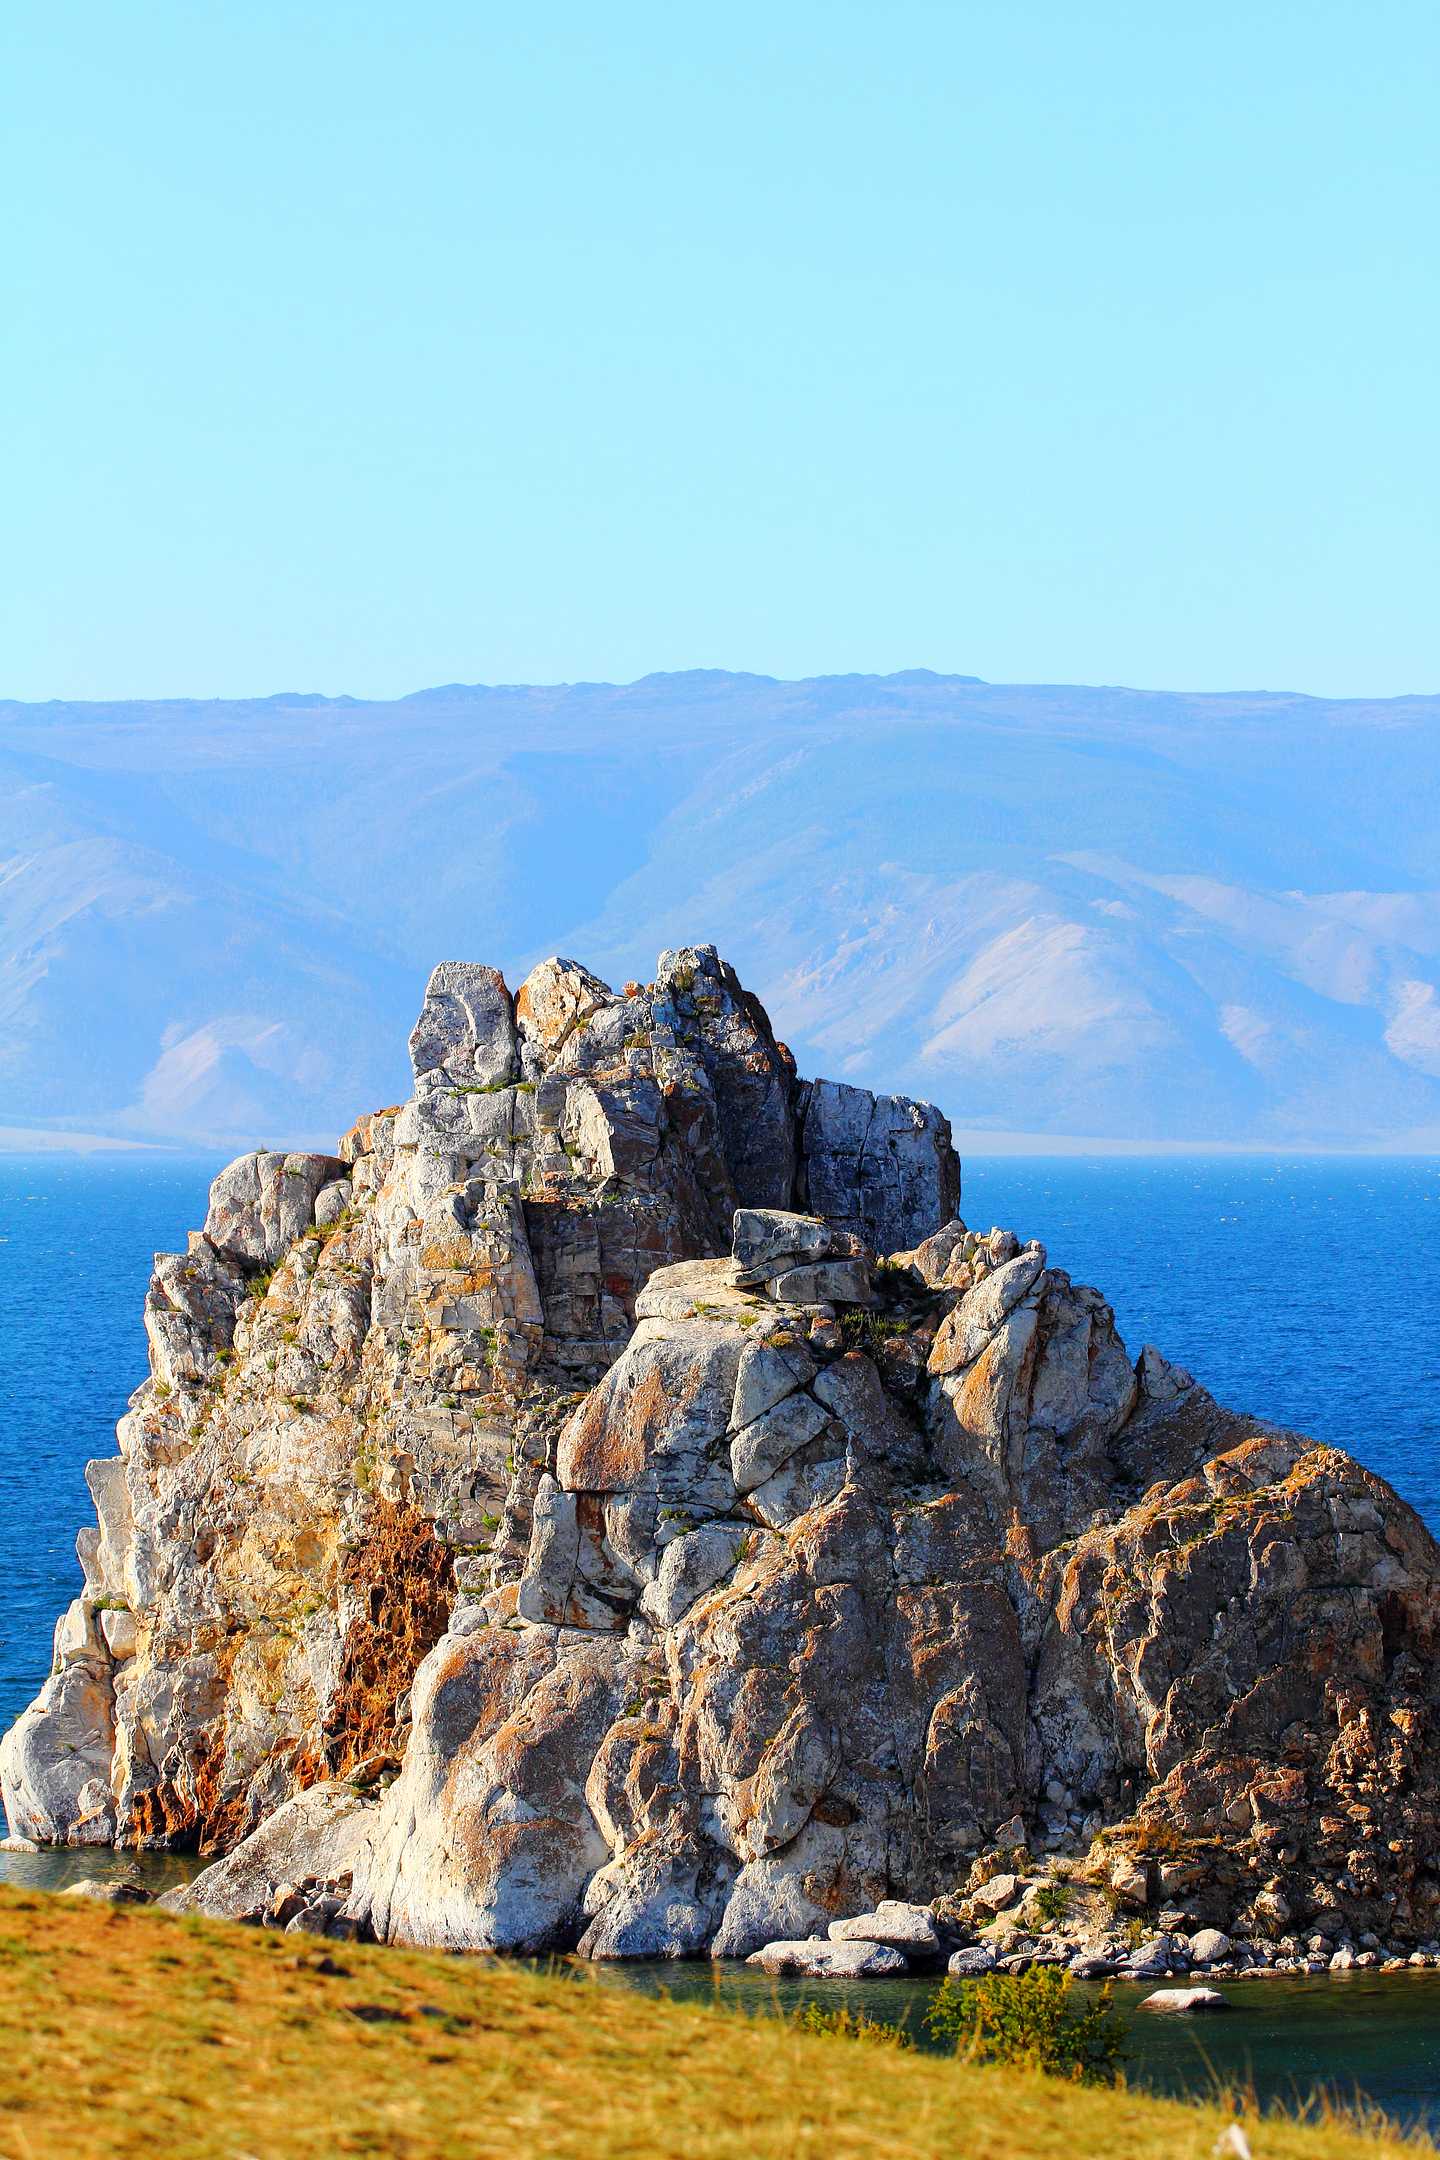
x,y
1054,909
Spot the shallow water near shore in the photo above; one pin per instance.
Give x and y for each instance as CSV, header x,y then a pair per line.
x,y
58,1869
1369,2035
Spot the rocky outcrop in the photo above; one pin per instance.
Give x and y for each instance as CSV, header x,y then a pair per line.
x,y
616,1502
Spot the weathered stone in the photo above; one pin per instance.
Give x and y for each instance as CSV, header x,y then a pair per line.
x,y
261,1204
998,1892
933,1255
466,1028
1209,1945
818,1959
967,1329
758,1449
910,1928
555,999
316,1834
1185,2001
55,1760
878,1165
768,1241
694,1289
689,1567
833,1282
967,1964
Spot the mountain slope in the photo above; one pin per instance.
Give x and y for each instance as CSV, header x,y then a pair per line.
x,y
1067,911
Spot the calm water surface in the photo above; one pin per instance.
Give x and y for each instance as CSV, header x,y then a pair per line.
x,y
1307,1291
1358,2034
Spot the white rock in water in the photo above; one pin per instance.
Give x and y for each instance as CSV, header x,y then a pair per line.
x,y
1185,2001
821,1960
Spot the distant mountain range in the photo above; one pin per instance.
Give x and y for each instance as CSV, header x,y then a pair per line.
x,y
1070,912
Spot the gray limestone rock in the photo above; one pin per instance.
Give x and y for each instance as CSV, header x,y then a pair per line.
x,y
881,1166
261,1204
769,1241
465,1035
820,1959
905,1927
831,1282
318,1834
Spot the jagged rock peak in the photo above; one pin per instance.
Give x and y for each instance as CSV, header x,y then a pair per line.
x,y
616,1501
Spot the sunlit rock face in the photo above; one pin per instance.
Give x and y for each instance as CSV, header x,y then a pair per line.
x,y
615,1502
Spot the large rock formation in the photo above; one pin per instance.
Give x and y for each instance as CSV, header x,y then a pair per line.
x,y
616,1502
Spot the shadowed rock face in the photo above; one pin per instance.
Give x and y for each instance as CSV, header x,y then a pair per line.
x,y
688,1580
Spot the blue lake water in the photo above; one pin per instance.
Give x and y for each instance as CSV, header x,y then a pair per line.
x,y
1307,1291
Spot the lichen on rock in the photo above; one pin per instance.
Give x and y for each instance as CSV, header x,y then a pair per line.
x,y
616,1502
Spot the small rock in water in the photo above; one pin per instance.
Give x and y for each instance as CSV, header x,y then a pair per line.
x,y
978,1958
108,1890
817,1959
1185,2001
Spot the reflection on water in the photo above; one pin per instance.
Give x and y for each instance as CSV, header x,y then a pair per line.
x,y
1376,2035
55,1869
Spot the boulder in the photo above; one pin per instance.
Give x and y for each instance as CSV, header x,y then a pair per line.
x,y
1209,1945
766,1242
880,1166
319,1833
262,1203
910,1928
833,1282
1185,2001
108,1890
970,1963
819,1959
998,1892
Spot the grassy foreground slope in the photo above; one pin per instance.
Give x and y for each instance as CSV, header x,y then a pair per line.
x,y
124,2031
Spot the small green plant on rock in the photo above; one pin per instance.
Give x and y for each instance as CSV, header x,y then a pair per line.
x,y
1052,1902
1034,2020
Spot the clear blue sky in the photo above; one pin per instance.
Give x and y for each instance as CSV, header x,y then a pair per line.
x,y
359,347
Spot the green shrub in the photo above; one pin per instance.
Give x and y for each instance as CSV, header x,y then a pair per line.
x,y
1052,1902
846,2024
1032,2019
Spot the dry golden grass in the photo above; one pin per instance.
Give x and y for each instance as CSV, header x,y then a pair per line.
x,y
129,2032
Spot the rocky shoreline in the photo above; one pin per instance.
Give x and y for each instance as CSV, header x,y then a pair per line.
x,y
615,1504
